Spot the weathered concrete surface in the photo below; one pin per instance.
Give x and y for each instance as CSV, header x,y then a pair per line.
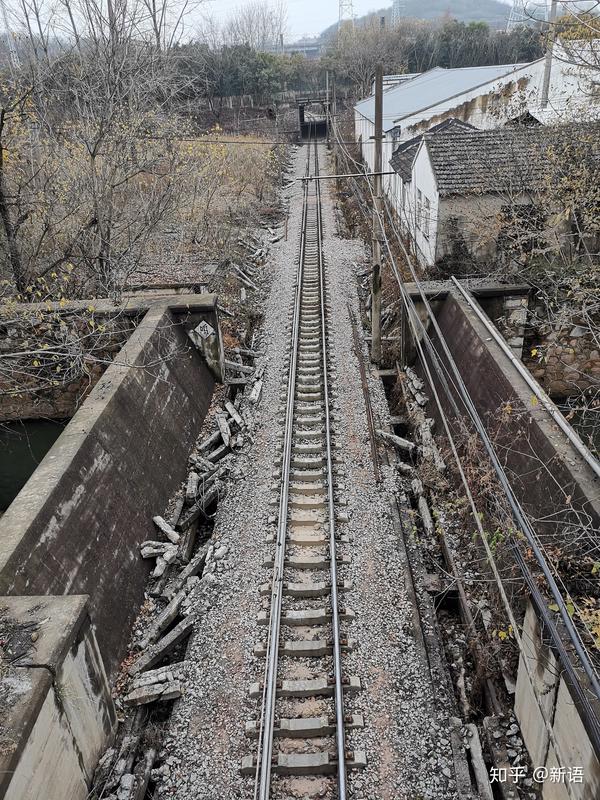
x,y
56,710
565,490
76,525
555,486
550,691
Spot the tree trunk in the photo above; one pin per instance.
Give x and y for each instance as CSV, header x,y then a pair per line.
x,y
14,255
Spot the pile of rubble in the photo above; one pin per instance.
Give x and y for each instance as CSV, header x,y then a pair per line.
x,y
181,562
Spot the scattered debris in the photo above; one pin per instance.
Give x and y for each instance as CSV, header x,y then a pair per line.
x,y
155,653
168,531
397,441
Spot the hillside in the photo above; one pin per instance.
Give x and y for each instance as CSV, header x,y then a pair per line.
x,y
493,12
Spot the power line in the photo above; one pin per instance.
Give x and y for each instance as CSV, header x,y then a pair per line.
x,y
593,724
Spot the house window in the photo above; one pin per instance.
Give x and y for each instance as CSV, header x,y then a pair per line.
x,y
426,215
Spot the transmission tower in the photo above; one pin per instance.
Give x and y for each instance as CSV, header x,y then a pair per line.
x,y
518,14
397,11
15,63
346,13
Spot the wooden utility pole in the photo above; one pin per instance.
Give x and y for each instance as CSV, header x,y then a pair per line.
x,y
327,110
377,210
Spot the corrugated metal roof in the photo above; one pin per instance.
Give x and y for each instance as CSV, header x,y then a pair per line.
x,y
429,89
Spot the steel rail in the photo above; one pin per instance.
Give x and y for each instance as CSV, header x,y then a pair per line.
x,y
262,787
337,647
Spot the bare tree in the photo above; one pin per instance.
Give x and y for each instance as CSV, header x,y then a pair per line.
x,y
258,25
104,171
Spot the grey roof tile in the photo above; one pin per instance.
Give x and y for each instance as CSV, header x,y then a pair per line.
x,y
403,157
515,159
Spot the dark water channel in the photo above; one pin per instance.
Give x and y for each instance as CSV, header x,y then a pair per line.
x,y
23,444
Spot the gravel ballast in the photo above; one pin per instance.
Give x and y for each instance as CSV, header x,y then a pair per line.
x,y
406,742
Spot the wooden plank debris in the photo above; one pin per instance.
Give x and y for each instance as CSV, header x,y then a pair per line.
x,y
177,509
158,651
207,444
165,618
397,441
165,528
430,448
191,489
188,542
243,368
242,351
193,568
244,278
237,381
224,429
200,506
233,413
426,517
219,453
256,392
142,773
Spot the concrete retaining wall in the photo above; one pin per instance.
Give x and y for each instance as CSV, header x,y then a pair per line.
x,y
56,710
558,489
565,490
76,526
550,690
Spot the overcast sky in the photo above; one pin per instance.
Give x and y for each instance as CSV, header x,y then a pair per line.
x,y
304,16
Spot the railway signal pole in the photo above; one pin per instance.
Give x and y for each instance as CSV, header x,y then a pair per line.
x,y
377,209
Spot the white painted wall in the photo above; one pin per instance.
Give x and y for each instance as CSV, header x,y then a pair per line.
x,y
366,129
572,98
420,210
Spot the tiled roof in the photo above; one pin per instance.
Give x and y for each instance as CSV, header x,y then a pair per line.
x,y
403,157
515,159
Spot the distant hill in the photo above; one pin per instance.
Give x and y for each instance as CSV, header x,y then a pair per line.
x,y
491,11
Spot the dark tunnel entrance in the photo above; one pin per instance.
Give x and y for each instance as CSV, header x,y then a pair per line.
x,y
312,116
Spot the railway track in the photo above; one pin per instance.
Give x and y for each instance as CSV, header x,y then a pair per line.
x,y
301,729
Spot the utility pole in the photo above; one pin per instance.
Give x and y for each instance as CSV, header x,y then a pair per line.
x,y
377,210
549,54
327,114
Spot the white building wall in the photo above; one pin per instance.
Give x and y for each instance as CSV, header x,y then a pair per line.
x,y
424,210
572,97
364,130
